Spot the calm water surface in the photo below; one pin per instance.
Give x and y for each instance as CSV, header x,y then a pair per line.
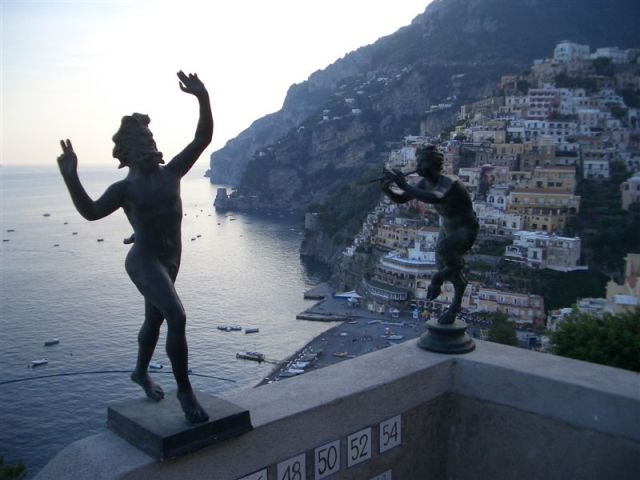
x,y
58,280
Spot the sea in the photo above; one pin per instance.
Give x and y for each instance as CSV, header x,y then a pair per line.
x,y
63,277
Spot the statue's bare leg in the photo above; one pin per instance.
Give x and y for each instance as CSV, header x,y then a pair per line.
x,y
449,253
154,282
459,282
178,354
147,340
435,287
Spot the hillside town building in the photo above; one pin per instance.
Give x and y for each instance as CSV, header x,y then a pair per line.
x,y
541,250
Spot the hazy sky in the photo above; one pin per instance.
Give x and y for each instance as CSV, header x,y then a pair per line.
x,y
72,69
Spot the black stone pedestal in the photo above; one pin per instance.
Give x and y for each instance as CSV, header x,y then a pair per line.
x,y
161,430
447,338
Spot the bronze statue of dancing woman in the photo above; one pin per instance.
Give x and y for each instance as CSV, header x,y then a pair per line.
x,y
150,198
458,222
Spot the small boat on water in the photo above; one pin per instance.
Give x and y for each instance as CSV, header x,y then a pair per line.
x,y
37,363
255,356
251,330
340,354
229,328
155,365
53,341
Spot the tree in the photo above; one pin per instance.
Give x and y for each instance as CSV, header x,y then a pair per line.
x,y
502,329
14,472
604,66
610,339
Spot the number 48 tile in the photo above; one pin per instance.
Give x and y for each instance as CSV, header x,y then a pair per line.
x,y
293,469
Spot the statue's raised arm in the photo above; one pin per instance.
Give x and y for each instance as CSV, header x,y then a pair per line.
x,y
183,162
108,203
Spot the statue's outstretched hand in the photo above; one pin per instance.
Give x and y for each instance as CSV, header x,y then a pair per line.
x,y
191,84
68,161
394,176
400,179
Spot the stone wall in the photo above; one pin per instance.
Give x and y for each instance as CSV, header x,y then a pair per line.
x,y
498,412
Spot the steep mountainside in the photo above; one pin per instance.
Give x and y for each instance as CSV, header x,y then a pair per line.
x,y
335,125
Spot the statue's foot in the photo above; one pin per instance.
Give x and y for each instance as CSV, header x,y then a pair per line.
x,y
433,291
191,408
153,391
447,317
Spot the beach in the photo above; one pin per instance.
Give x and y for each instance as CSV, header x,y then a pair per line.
x,y
357,332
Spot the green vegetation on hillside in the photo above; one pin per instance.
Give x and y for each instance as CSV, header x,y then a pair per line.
x,y
12,472
342,215
612,340
559,289
502,329
608,233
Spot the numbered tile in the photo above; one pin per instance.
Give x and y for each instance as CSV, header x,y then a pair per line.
x,y
359,447
383,476
261,475
293,469
390,433
327,459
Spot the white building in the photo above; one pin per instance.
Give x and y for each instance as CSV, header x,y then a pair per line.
x,y
470,178
497,222
567,51
630,189
404,159
498,197
612,53
559,131
396,274
542,250
595,168
592,120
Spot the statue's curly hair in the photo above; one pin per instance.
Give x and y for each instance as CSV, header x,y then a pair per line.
x,y
426,151
132,127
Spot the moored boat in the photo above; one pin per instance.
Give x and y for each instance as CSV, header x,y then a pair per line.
x,y
255,356
291,372
38,362
53,341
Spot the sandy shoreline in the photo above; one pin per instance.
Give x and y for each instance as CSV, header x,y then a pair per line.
x,y
357,333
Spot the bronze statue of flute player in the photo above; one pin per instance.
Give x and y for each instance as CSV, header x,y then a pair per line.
x,y
458,222
150,197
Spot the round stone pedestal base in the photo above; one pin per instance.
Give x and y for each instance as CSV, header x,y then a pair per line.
x,y
448,338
